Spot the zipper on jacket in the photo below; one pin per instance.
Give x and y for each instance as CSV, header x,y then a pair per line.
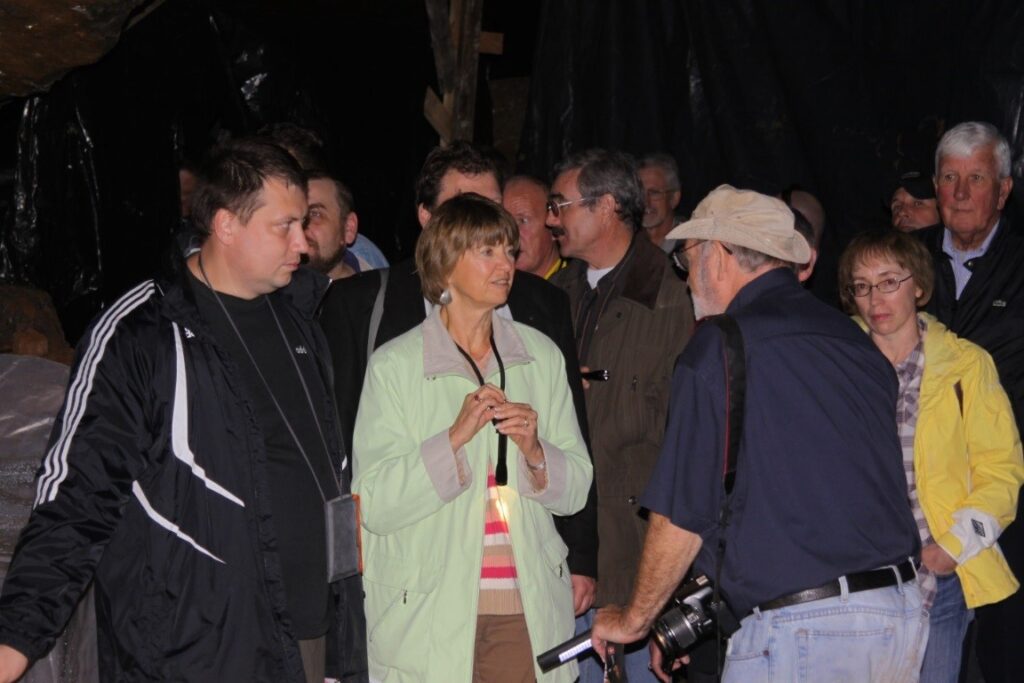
x,y
405,594
636,381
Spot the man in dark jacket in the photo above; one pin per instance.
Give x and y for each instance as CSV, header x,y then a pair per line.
x,y
979,294
632,317
363,312
189,465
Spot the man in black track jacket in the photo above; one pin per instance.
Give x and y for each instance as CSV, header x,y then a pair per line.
x,y
187,469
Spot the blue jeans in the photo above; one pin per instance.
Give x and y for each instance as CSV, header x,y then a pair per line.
x,y
874,635
948,622
637,659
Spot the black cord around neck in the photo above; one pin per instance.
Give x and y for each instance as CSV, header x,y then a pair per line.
x,y
266,385
501,468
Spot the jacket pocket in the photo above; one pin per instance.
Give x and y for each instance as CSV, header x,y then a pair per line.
x,y
555,552
554,596
419,575
399,611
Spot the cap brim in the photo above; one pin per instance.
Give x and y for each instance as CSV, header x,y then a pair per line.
x,y
707,229
693,229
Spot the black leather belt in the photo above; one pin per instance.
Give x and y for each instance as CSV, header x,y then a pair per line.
x,y
861,581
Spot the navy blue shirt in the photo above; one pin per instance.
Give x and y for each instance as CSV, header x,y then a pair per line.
x,y
820,489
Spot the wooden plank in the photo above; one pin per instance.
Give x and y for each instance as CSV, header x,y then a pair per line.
x,y
441,41
492,43
467,61
437,115
454,22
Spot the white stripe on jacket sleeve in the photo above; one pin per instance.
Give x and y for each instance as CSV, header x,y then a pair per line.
x,y
55,465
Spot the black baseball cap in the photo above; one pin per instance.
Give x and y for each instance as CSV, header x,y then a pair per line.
x,y
918,185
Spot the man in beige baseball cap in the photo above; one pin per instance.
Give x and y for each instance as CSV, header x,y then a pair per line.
x,y
738,235
821,538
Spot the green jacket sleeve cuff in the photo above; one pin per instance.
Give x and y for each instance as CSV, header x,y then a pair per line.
x,y
556,469
449,471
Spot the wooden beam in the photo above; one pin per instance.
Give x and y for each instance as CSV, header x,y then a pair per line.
x,y
437,115
441,41
454,19
456,39
492,43
467,61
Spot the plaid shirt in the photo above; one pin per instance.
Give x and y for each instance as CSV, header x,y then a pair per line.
x,y
909,373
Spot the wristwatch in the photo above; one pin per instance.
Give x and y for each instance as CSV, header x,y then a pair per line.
x,y
537,468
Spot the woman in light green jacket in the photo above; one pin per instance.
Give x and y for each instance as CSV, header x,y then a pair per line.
x,y
962,452
465,575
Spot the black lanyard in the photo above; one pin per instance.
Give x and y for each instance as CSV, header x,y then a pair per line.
x,y
501,469
266,385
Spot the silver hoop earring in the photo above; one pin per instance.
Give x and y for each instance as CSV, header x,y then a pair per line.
x,y
445,298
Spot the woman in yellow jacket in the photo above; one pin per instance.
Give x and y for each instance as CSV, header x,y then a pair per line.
x,y
961,448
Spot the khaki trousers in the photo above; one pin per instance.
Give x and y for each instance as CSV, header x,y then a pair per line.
x,y
502,653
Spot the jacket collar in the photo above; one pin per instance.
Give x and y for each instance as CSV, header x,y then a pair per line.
x,y
640,284
441,357
938,353
304,293
642,264
760,286
948,249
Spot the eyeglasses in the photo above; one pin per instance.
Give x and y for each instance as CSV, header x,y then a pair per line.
x,y
653,194
886,286
679,256
554,207
682,261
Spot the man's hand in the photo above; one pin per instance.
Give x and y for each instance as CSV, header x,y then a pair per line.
x,y
936,560
12,664
583,590
583,370
615,624
656,659
668,552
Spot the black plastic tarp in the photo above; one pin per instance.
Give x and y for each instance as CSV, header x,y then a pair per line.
x,y
833,95
96,185
95,202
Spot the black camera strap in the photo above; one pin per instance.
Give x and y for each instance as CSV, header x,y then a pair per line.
x,y
735,393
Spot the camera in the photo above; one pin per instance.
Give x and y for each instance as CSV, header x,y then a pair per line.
x,y
692,615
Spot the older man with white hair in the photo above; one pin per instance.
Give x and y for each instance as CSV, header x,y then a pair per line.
x,y
804,526
979,295
659,175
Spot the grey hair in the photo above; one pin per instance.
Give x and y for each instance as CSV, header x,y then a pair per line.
x,y
750,260
964,139
667,164
608,172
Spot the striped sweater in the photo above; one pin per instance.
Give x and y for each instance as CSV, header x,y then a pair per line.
x,y
499,585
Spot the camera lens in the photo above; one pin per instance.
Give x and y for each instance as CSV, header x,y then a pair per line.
x,y
674,632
